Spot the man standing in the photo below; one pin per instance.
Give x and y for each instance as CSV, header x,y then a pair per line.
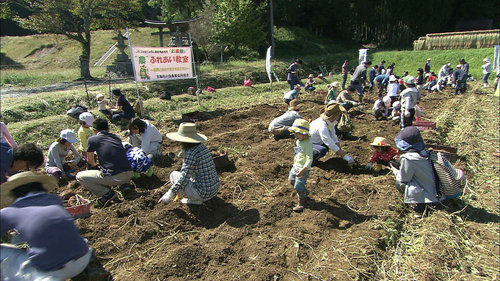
x,y
345,71
459,78
113,163
371,75
465,66
381,68
427,67
323,135
358,77
293,73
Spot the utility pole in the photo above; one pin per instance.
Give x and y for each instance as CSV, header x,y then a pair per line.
x,y
271,21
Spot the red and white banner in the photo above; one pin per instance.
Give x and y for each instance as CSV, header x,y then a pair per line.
x,y
162,63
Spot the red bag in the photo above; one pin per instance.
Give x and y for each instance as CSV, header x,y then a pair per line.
x,y
210,89
247,83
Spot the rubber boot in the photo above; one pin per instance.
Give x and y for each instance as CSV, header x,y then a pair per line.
x,y
301,203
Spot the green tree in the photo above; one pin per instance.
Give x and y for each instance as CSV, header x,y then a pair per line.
x,y
77,18
240,25
177,9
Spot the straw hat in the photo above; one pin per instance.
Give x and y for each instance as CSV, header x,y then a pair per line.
x,y
380,141
187,133
333,109
98,96
49,183
334,84
300,126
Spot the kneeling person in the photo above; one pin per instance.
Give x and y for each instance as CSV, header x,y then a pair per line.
x,y
197,181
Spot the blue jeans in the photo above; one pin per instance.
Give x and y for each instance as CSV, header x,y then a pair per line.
x,y
310,88
299,184
485,78
358,87
319,150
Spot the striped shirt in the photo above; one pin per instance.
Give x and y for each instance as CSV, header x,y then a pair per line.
x,y
198,166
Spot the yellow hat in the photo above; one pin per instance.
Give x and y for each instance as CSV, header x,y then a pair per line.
x,y
187,133
333,109
49,183
380,141
300,126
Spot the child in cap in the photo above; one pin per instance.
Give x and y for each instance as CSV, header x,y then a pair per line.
x,y
302,161
102,106
332,92
396,112
84,132
291,95
140,162
309,84
382,154
56,156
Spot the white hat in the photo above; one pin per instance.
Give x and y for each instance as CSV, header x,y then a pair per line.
x,y
429,59
387,101
486,60
410,80
187,133
459,66
392,78
87,117
68,135
448,64
49,183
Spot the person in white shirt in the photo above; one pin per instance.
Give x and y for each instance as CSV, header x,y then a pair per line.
x,y
145,135
443,74
408,100
393,89
323,135
486,71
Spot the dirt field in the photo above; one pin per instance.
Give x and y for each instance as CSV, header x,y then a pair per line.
x,y
249,232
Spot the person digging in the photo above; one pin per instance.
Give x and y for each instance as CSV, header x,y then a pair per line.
x,y
197,181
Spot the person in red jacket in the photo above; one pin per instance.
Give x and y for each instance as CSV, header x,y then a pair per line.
x,y
383,153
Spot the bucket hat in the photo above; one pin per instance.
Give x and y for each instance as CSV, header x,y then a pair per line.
x,y
300,126
49,183
68,135
87,117
380,141
334,84
187,133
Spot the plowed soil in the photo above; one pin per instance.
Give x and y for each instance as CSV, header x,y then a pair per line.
x,y
249,231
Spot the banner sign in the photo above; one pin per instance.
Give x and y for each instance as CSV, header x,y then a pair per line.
x,y
268,64
162,63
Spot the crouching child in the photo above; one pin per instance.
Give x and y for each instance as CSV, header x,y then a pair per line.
x,y
382,154
302,161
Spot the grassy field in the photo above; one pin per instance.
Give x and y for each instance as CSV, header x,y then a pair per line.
x,y
460,245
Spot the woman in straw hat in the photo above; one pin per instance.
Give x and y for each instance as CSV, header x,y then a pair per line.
x,y
56,250
323,135
197,181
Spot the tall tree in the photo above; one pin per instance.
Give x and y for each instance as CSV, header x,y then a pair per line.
x,y
77,18
177,9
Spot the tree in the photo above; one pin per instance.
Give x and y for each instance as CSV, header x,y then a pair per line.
x,y
239,24
177,9
77,18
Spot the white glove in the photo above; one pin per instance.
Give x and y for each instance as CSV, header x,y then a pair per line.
x,y
349,159
407,113
167,197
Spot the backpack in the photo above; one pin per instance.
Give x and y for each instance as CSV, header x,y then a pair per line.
x,y
139,161
451,181
76,110
345,123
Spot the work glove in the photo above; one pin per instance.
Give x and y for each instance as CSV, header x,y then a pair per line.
x,y
349,159
167,197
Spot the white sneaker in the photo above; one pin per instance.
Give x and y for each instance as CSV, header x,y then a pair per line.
x,y
191,201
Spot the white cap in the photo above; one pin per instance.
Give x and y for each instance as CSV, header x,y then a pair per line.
x,y
86,117
392,78
486,60
459,66
410,80
68,135
429,59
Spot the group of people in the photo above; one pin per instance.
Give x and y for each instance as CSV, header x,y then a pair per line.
x,y
31,215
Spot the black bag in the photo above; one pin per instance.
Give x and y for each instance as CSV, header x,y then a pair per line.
x,y
76,110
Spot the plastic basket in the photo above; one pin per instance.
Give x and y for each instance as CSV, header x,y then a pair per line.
x,y
80,211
